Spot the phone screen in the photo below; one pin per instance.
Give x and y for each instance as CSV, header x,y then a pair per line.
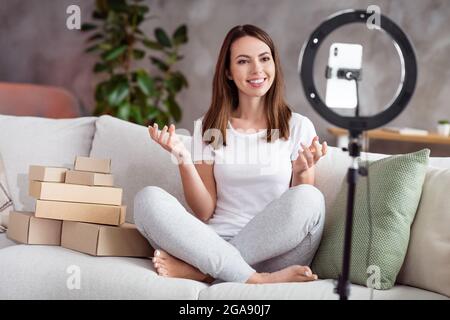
x,y
340,92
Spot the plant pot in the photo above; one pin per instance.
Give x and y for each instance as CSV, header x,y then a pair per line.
x,y
443,129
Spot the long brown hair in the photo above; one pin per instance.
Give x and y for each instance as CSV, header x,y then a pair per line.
x,y
225,98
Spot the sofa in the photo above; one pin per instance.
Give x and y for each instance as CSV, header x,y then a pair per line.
x,y
44,272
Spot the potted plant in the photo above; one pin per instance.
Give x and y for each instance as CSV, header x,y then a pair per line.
x,y
130,93
443,127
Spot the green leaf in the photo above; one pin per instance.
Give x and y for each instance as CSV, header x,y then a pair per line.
x,y
101,90
98,15
162,119
88,27
124,111
119,93
138,54
180,35
142,10
183,79
145,83
135,112
100,67
159,63
95,36
92,48
176,82
152,113
118,5
152,45
114,53
162,38
173,108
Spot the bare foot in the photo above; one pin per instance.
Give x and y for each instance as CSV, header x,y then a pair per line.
x,y
295,273
169,266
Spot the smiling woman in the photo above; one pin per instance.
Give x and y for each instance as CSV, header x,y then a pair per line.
x,y
243,188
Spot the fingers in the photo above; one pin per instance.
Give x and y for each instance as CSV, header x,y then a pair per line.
x,y
308,155
324,148
316,150
301,158
162,135
153,131
171,132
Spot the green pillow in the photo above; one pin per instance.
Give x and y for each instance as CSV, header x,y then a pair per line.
x,y
395,190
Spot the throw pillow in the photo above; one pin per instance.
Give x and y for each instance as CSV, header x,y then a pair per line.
x,y
136,160
427,262
32,140
395,190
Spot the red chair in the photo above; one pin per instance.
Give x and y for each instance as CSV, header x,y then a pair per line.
x,y
37,100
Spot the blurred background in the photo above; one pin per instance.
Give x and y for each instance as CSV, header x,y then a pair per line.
x,y
42,57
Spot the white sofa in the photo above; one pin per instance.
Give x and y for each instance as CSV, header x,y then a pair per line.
x,y
42,272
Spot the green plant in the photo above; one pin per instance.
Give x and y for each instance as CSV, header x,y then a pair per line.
x,y
130,93
443,121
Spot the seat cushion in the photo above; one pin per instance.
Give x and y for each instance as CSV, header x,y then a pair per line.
x,y
315,290
50,272
427,262
25,141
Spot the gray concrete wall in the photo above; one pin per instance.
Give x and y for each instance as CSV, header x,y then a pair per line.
x,y
38,48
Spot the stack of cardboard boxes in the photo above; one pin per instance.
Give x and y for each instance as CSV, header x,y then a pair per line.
x,y
79,209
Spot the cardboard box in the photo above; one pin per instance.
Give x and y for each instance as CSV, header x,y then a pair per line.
x,y
75,193
92,164
48,174
82,212
89,178
101,240
24,227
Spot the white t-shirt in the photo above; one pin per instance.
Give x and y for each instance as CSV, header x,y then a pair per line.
x,y
249,172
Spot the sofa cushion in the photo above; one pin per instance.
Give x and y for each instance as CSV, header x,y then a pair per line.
x,y
136,160
427,262
5,199
49,272
314,290
31,140
395,189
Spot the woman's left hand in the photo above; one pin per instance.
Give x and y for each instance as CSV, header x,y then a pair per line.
x,y
309,156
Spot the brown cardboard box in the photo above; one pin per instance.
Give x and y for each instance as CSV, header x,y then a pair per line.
x,y
82,212
89,178
24,227
101,240
75,193
48,174
92,164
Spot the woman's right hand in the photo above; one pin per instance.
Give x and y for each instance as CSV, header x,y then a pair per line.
x,y
169,140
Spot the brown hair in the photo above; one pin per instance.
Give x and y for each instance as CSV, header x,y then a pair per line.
x,y
225,98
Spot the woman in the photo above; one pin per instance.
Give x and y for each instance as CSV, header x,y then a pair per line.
x,y
257,221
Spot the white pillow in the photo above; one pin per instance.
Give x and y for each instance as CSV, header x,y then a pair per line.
x,y
136,160
427,262
5,200
31,140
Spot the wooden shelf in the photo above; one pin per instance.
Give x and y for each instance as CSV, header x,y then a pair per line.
x,y
393,136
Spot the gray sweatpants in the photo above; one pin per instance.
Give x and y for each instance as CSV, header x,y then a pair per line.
x,y
286,232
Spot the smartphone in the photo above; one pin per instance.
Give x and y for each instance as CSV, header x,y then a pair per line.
x,y
340,92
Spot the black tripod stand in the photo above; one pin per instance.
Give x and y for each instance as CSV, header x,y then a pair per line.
x,y
354,149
